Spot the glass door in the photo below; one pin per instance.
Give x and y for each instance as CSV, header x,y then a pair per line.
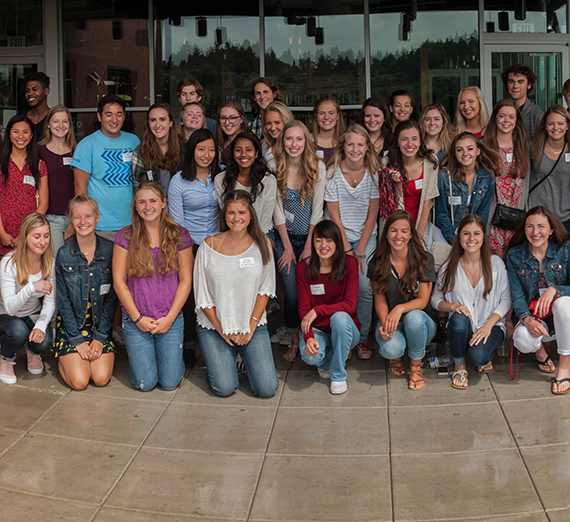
x,y
549,63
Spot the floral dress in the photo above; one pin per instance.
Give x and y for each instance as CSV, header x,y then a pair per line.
x,y
508,191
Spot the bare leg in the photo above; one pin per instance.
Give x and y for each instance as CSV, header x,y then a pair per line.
x,y
74,370
102,369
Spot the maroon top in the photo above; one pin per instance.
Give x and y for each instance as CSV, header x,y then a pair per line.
x,y
60,180
327,298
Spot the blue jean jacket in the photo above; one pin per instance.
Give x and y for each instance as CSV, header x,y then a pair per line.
x,y
482,194
76,281
524,274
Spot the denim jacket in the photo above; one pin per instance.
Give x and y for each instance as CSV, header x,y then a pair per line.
x,y
76,281
483,192
524,274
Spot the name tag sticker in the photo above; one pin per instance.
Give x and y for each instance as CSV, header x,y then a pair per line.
x,y
246,262
385,153
567,157
127,156
149,174
318,289
289,216
419,184
509,157
542,290
105,289
29,180
455,200
321,154
67,160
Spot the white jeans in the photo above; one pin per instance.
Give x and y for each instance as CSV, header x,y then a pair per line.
x,y
526,343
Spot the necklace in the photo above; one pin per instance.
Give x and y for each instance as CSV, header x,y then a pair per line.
x,y
240,250
556,151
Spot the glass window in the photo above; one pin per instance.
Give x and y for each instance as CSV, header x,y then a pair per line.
x,y
433,56
12,88
520,16
21,22
220,49
315,48
106,52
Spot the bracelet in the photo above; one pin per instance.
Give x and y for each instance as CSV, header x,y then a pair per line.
x,y
140,317
255,319
348,251
362,256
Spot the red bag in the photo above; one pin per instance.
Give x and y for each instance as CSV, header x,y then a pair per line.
x,y
532,307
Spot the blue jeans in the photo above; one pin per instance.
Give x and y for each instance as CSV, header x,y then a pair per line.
x,y
154,358
334,346
291,312
58,226
416,328
459,333
14,334
365,294
220,358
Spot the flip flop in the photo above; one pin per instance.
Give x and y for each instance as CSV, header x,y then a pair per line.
x,y
552,369
486,369
558,382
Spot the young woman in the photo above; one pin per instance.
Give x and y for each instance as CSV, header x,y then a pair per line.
x,y
262,92
470,168
82,344
56,150
247,171
301,179
473,287
550,170
375,117
414,173
537,263
27,300
436,129
234,278
471,114
275,117
152,274
401,106
327,287
230,122
352,200
328,127
192,118
159,155
506,134
22,173
402,274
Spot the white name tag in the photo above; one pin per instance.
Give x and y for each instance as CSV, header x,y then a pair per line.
x,y
29,180
509,157
105,289
419,184
67,160
149,174
318,289
542,290
567,157
321,154
127,156
289,216
385,153
246,262
455,200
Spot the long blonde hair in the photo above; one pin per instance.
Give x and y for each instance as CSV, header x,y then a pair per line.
x,y
460,123
309,171
339,127
20,256
283,111
79,200
370,159
446,134
70,140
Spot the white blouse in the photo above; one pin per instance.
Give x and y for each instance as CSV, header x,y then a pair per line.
x,y
231,284
498,301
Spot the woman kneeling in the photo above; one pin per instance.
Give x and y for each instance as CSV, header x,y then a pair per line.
x,y
473,286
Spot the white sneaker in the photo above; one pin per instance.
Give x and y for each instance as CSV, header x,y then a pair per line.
x,y
35,363
323,374
282,337
338,387
7,375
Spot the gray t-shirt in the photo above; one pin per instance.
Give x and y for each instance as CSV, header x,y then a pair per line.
x,y
553,192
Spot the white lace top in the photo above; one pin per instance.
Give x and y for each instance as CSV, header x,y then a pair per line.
x,y
231,284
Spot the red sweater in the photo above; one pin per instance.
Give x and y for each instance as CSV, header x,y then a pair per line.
x,y
327,298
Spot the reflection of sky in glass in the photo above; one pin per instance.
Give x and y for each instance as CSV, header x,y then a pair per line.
x,y
535,22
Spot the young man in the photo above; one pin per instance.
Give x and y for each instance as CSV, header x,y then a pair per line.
x,y
37,90
262,92
102,167
401,106
190,90
519,79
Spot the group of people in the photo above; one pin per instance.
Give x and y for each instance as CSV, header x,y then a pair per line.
x,y
190,233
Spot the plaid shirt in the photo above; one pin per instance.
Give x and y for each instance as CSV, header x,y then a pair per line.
x,y
140,174
256,126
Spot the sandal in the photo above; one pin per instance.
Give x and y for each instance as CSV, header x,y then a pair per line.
x,y
416,380
558,382
462,379
486,369
291,354
551,369
396,367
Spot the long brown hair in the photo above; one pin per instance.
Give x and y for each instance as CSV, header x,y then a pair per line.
x,y
381,267
20,256
139,260
488,159
446,134
520,144
559,235
70,140
150,151
370,159
540,136
457,252
327,229
339,127
253,229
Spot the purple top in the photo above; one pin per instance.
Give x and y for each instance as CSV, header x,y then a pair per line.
x,y
325,153
153,296
60,180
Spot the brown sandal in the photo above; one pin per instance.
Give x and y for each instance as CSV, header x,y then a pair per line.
x,y
396,367
417,381
486,369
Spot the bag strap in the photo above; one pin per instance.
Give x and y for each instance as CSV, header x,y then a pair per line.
x,y
451,199
551,170
513,377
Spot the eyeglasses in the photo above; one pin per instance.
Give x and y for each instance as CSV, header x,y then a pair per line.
x,y
231,119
